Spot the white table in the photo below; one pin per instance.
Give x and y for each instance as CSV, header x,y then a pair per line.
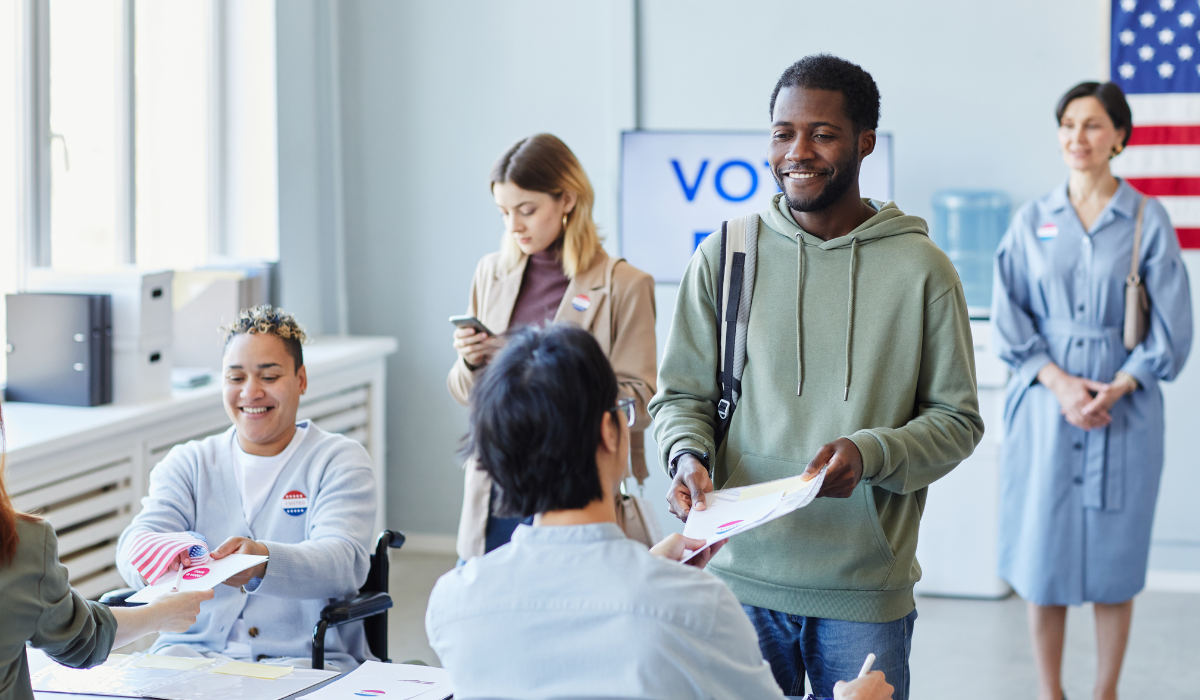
x,y
86,469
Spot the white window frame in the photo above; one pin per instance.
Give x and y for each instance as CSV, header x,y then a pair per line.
x,y
34,247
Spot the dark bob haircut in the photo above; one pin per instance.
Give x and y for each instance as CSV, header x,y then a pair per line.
x,y
825,72
1110,95
535,419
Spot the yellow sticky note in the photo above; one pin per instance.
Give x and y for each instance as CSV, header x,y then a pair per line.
x,y
264,671
771,487
177,663
114,659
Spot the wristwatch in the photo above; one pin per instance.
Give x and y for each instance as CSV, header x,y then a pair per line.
x,y
673,466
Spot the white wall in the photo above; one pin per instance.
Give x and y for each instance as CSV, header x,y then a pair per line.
x,y
433,92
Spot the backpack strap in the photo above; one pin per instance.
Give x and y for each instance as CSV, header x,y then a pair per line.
x,y
739,260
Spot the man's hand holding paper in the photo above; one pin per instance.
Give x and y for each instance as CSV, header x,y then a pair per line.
x,y
736,510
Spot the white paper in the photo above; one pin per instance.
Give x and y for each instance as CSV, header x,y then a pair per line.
x,y
733,511
722,518
202,577
387,682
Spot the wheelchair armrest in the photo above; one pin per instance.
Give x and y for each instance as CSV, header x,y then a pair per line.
x,y
356,607
118,598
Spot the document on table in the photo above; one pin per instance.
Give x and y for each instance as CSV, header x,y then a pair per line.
x,y
732,511
388,682
175,678
199,578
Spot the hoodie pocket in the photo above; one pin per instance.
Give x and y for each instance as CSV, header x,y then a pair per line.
x,y
833,543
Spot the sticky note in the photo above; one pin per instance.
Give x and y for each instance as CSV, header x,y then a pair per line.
x,y
264,671
114,659
177,663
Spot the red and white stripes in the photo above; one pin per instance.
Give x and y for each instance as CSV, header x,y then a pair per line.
x,y
1163,158
152,553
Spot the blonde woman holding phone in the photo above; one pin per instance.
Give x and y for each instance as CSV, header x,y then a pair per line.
x,y
550,267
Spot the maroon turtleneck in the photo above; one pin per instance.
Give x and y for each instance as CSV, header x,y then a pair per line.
x,y
542,289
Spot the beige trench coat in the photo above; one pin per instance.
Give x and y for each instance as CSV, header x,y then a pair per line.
x,y
620,315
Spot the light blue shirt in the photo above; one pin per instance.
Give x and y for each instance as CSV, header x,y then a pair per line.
x,y
1077,505
580,611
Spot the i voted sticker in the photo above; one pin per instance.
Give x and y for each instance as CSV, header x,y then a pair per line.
x,y
581,303
1047,231
295,503
195,573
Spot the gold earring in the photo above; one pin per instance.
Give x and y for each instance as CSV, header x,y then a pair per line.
x,y
1117,150
564,222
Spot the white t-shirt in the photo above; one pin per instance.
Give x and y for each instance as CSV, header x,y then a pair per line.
x,y
256,475
256,478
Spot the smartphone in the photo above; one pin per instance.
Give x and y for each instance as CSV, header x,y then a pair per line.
x,y
471,322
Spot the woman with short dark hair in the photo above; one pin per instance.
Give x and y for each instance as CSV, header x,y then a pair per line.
x,y
550,267
1083,420
571,608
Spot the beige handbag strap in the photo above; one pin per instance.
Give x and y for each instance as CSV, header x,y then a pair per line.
x,y
1134,278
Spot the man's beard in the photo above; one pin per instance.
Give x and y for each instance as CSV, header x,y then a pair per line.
x,y
845,175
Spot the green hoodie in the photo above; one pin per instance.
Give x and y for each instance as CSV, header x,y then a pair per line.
x,y
865,336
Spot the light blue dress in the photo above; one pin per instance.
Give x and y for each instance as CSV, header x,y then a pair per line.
x,y
1077,506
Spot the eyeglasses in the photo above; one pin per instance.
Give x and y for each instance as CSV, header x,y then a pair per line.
x,y
629,406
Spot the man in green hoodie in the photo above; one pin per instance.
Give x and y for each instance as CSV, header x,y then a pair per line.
x,y
858,361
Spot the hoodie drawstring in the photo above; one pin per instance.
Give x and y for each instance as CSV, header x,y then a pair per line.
x,y
850,317
799,315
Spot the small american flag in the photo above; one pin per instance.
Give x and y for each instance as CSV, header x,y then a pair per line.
x,y
1156,61
151,553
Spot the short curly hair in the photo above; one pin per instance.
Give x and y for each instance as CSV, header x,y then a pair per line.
x,y
269,320
823,71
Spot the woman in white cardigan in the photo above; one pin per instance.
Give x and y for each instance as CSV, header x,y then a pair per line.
x,y
270,486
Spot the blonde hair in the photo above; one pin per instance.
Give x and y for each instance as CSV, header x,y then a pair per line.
x,y
268,320
543,163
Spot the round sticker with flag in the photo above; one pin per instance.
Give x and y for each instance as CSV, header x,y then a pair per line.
x,y
295,503
581,303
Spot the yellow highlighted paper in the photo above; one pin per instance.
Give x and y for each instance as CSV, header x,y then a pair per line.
x,y
786,485
176,663
264,671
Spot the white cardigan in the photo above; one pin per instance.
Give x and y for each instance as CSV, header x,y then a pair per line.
x,y
320,545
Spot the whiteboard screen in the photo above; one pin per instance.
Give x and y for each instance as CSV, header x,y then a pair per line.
x,y
677,187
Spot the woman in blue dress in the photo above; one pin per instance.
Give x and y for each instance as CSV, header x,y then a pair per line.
x,y
1083,419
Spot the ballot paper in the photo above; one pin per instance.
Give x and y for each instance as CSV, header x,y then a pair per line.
x,y
199,578
388,682
732,511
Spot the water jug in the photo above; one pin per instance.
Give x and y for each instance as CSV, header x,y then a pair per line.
x,y
968,226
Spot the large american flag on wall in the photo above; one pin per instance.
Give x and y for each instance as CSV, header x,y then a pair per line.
x,y
1156,61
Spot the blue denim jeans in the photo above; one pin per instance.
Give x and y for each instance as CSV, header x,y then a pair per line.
x,y
831,650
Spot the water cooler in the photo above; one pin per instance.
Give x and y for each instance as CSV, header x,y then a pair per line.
x,y
959,528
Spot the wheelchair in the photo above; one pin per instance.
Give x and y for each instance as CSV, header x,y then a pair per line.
x,y
370,604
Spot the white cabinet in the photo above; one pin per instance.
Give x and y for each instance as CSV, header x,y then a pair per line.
x,y
86,469
959,539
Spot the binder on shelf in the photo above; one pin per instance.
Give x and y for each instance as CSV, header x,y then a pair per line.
x,y
142,322
59,348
